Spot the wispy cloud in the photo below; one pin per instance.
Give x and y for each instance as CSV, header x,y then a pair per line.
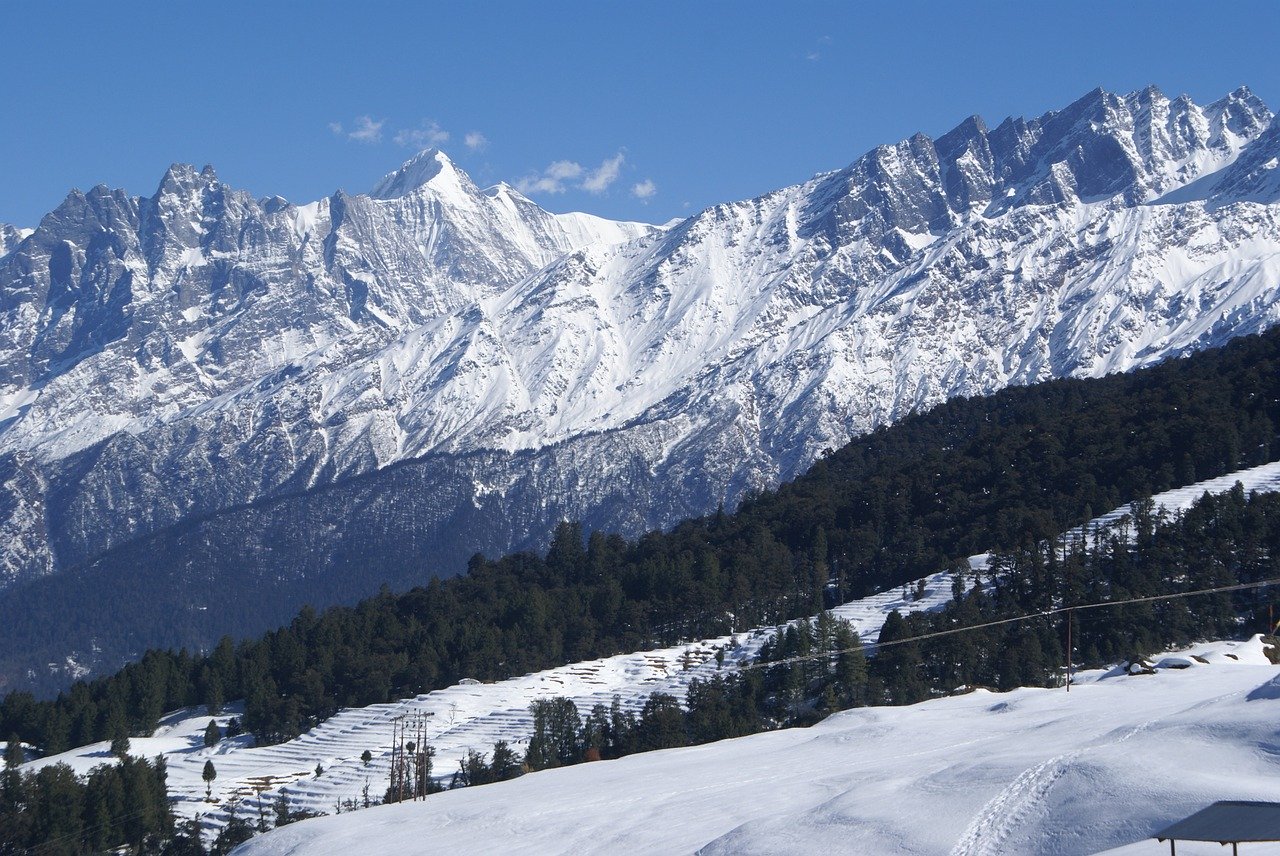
x,y
816,54
563,175
554,179
475,141
428,134
364,130
644,190
599,179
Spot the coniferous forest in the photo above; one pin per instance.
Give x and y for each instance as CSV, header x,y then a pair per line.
x,y
1005,473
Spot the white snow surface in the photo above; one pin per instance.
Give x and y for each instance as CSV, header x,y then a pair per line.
x,y
472,716
1033,771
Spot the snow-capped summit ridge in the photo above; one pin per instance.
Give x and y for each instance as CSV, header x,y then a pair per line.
x,y
419,170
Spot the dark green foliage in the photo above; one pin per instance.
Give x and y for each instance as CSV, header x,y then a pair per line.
x,y
661,724
505,764
284,815
474,769
55,812
186,840
1222,540
236,831
556,739
209,773
212,734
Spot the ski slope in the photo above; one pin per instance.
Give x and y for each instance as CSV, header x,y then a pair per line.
x,y
472,716
1033,771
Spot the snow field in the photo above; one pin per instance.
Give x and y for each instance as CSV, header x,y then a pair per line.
x,y
1032,771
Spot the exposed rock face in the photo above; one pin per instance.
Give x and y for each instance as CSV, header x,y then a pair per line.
x,y
249,371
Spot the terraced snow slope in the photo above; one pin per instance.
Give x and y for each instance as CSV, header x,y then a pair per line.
x,y
475,715
1032,771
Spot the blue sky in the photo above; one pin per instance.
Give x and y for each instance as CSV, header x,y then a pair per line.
x,y
636,110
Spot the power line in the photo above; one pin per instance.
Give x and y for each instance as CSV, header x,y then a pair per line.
x,y
1013,620
876,646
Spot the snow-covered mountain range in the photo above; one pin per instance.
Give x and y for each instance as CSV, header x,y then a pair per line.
x,y
457,368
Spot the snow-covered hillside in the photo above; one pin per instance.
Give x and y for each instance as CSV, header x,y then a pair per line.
x,y
228,373
472,716
1033,771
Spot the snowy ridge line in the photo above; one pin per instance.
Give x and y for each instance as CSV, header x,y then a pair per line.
x,y
695,362
473,716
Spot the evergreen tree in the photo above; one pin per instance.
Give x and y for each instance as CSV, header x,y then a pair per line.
x,y
236,831
556,729
850,668
209,774
661,724
186,840
120,742
505,764
212,734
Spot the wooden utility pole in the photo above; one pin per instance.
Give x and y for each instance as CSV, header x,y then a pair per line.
x,y
1068,650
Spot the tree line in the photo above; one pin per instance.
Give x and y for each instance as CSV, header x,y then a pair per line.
x,y
807,669
892,506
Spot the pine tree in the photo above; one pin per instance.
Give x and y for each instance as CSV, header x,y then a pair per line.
x,y
851,666
236,832
212,734
209,774
15,820
556,734
186,840
120,742
505,764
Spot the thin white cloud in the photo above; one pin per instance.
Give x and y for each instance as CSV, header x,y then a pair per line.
x,y
553,179
644,190
601,177
475,141
565,175
426,135
336,127
813,56
366,130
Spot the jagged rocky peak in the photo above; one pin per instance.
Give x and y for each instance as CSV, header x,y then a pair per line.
x,y
10,237
182,180
429,167
1255,176
1132,148
1240,113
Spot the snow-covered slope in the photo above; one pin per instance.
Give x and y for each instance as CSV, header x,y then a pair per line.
x,y
472,716
1031,771
203,356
